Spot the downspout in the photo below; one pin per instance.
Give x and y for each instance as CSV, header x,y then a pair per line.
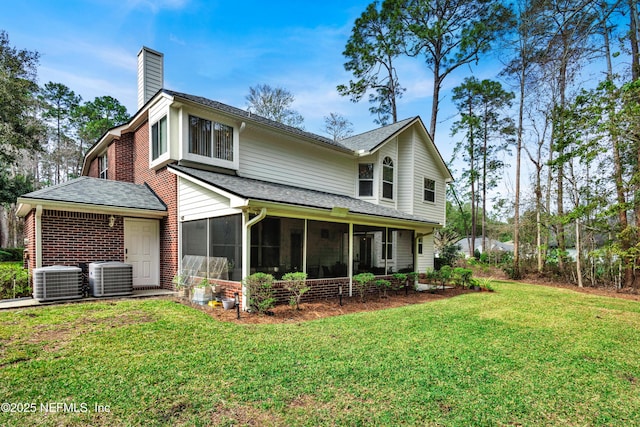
x,y
38,236
246,239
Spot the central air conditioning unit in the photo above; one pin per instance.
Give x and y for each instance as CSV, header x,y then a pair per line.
x,y
57,282
110,278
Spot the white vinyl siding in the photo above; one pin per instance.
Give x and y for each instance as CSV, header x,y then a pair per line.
x,y
272,158
425,260
404,187
425,166
196,202
404,254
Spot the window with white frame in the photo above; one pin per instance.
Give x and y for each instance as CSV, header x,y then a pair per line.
x,y
103,166
429,190
210,139
387,178
365,179
159,138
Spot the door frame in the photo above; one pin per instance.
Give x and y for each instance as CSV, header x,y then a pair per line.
x,y
155,262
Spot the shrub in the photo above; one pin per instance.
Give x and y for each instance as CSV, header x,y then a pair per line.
x,y
462,276
382,286
11,254
399,281
413,278
261,292
9,272
296,284
362,282
445,274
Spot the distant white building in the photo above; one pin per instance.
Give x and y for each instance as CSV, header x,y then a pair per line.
x,y
492,245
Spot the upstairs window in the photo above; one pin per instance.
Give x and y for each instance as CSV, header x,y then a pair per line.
x,y
429,190
387,178
103,166
365,179
210,139
159,138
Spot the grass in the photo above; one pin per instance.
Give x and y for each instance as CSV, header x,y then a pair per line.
x,y
524,355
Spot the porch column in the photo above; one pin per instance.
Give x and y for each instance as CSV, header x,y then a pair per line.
x,y
350,264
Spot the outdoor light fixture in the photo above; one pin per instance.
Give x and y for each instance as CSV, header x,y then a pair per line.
x,y
340,294
112,221
237,299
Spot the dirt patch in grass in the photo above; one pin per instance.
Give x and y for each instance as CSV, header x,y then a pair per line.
x,y
326,308
56,336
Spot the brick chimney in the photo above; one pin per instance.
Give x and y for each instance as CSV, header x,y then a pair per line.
x,y
150,74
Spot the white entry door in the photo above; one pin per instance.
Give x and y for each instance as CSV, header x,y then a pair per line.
x,y
142,250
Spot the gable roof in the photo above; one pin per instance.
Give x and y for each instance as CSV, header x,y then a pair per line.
x,y
254,189
246,115
367,141
95,192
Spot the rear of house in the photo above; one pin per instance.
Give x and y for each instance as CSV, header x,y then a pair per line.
x,y
190,177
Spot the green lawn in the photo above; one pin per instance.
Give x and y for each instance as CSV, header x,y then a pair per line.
x,y
524,355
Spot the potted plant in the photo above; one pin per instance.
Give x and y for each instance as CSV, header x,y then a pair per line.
x,y
181,284
202,292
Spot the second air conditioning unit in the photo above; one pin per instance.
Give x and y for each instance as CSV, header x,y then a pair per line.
x,y
110,278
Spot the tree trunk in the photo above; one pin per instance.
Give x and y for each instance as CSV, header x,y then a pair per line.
x,y
634,39
4,227
578,255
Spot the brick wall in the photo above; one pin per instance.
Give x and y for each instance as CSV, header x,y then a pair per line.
x,y
165,185
131,156
30,247
124,160
70,238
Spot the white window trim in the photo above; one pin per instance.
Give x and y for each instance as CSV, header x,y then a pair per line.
x,y
103,171
186,155
373,181
393,171
163,158
435,190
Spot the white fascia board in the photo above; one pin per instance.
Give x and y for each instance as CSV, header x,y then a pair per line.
x,y
25,205
319,214
234,200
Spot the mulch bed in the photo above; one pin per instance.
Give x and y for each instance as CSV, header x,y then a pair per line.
x,y
326,308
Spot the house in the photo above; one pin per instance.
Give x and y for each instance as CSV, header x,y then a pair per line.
x,y
492,245
191,177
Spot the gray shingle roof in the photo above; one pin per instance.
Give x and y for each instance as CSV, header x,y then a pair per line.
x,y
256,118
369,140
271,192
101,192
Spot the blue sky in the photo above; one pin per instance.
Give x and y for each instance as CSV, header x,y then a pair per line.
x,y
216,49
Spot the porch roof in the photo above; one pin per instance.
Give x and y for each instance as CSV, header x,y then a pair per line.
x,y
97,193
258,190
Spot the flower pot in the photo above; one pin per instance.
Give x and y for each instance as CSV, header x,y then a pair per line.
x,y
201,295
228,303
